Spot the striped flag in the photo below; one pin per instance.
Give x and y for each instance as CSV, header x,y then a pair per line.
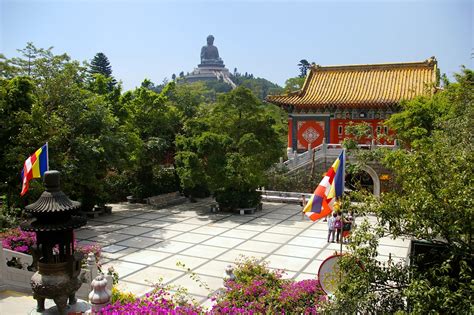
x,y
321,203
34,167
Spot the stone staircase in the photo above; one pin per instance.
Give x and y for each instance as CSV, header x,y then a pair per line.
x,y
325,152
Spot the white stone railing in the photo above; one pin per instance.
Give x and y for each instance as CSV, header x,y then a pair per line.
x,y
324,150
14,273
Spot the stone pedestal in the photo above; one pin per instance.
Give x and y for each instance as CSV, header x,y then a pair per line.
x,y
208,73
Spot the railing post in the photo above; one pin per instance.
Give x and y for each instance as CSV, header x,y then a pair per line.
x,y
373,144
310,151
395,143
100,295
325,146
228,274
295,158
92,265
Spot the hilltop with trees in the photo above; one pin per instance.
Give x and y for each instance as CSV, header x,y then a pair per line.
x,y
106,142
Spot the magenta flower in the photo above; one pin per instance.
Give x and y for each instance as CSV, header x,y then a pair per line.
x,y
18,240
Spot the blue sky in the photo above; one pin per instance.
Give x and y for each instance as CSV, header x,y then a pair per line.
x,y
153,39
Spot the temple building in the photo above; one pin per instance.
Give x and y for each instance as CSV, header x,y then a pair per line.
x,y
334,96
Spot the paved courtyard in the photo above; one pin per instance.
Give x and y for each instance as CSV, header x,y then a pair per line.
x,y
144,244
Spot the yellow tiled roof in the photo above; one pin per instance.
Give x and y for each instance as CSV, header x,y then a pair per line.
x,y
376,85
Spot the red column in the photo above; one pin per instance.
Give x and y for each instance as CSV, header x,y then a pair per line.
x,y
290,130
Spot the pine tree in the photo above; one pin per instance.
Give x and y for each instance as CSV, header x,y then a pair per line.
x,y
100,64
304,66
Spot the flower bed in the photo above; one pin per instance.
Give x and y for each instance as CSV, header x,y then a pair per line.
x,y
18,240
157,302
255,290
260,290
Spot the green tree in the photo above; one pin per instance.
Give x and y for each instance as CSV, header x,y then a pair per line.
x,y
100,64
16,102
155,121
294,84
432,201
227,148
55,104
304,66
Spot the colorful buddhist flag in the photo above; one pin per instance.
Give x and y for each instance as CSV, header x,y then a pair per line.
x,y
34,167
321,203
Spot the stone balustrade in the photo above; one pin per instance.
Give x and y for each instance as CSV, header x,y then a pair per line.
x,y
16,272
324,151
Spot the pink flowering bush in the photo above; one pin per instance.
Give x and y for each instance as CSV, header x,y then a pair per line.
x,y
301,297
256,289
18,240
94,248
157,302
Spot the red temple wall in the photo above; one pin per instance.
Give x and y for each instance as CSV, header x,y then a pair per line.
x,y
379,132
313,131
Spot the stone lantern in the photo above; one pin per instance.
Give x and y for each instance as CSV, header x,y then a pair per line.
x,y
58,265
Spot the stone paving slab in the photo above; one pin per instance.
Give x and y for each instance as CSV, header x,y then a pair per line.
x,y
145,243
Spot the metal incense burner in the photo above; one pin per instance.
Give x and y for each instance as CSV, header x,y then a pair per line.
x,y
58,265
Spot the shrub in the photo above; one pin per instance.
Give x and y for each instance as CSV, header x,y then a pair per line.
x,y
260,290
119,297
94,248
9,216
255,290
117,186
234,198
18,240
157,302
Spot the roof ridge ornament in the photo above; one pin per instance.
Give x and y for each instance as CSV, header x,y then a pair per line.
x,y
431,61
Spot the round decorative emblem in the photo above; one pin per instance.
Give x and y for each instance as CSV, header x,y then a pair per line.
x,y
330,274
310,135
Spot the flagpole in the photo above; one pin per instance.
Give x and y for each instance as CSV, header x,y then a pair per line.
x,y
47,155
342,196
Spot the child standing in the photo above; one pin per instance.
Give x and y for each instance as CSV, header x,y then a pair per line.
x,y
331,227
338,226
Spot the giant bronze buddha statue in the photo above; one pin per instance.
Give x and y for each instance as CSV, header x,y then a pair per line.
x,y
210,55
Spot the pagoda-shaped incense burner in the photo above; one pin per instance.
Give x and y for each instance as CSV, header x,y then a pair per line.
x,y
58,265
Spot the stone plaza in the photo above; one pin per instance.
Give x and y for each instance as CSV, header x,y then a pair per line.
x,y
144,244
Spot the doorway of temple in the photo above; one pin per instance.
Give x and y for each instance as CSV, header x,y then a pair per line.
x,y
360,181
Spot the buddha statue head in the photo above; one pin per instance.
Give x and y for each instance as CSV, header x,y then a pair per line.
x,y
210,40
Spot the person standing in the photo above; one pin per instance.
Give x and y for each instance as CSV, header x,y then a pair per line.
x,y
331,227
302,204
338,226
347,226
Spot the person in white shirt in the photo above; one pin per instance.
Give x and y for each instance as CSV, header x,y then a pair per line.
x,y
331,227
